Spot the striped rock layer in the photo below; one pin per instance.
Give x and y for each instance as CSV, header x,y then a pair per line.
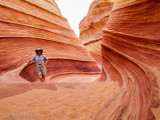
x,y
130,56
92,26
30,24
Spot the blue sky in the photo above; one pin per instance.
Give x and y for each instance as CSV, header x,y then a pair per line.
x,y
74,11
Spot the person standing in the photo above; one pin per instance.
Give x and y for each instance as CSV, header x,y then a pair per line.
x,y
41,61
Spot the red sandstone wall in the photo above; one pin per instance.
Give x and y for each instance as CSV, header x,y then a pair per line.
x,y
130,56
92,26
30,24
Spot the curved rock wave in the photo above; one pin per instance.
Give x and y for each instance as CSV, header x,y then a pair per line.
x,y
123,63
30,24
130,56
92,26
55,68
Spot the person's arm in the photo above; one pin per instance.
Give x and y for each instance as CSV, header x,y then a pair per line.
x,y
31,60
45,59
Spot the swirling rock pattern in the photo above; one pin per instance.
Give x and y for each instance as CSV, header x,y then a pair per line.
x,y
130,56
126,33
30,24
92,26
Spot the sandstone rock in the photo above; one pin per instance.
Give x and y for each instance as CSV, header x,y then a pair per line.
x,y
30,24
130,56
92,26
130,52
128,32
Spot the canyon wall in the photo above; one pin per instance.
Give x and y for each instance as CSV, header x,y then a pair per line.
x,y
123,37
130,49
30,24
92,26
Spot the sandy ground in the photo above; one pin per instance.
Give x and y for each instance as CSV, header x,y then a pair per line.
x,y
78,103
38,101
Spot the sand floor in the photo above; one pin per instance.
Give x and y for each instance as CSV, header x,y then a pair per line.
x,y
80,102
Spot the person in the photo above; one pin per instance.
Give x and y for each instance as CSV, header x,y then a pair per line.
x,y
41,61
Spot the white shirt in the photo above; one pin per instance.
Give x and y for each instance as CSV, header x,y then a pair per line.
x,y
39,59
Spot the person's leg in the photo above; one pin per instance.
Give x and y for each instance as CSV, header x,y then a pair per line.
x,y
44,77
44,71
39,73
41,78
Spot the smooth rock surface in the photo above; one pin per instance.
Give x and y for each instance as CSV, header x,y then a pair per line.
x,y
30,24
130,46
92,26
125,41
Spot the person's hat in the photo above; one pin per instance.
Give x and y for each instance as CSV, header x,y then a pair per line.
x,y
38,49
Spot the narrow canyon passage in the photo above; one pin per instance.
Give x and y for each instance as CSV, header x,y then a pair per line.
x,y
111,72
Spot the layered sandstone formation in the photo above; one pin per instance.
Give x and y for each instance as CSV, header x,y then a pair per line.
x,y
130,56
123,35
30,24
92,26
